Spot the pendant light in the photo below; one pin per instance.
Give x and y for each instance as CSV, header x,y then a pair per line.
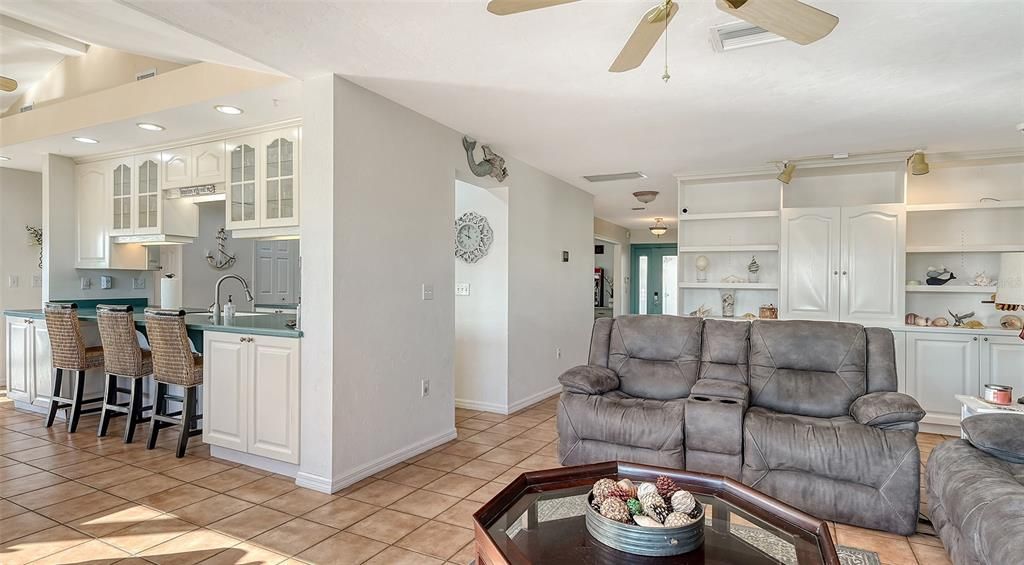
x,y
658,229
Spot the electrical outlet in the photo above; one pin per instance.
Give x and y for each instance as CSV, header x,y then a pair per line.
x,y
558,353
106,282
13,281
428,291
425,388
37,281
138,283
461,289
86,283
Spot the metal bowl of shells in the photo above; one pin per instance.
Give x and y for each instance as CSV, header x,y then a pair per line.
x,y
651,519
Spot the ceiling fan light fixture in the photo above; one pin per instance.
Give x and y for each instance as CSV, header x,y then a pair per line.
x,y
658,229
788,168
646,196
918,163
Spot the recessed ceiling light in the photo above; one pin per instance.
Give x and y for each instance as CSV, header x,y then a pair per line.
x,y
85,139
230,110
4,158
150,127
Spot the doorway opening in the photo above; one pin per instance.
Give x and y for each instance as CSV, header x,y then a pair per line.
x,y
654,272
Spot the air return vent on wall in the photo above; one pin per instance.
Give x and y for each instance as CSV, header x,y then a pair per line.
x,y
737,35
615,176
143,75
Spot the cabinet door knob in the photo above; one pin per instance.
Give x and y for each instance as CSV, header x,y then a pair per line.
x,y
241,339
975,338
844,273
835,273
986,339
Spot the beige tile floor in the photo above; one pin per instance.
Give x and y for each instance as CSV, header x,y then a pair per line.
x,y
74,498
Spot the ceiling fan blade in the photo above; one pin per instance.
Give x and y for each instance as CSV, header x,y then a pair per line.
x,y
791,19
8,84
506,7
646,34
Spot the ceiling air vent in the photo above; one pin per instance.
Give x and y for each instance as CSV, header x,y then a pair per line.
x,y
148,73
737,35
615,176
26,108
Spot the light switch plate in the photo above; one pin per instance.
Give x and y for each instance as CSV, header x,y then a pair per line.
x,y
37,281
461,289
13,281
86,283
138,283
428,291
106,282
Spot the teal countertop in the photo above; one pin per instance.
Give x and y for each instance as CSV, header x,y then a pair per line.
x,y
253,324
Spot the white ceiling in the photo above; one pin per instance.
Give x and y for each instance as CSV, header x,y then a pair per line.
x,y
894,74
26,57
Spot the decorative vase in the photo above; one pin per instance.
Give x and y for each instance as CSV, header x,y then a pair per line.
x,y
753,268
728,304
702,264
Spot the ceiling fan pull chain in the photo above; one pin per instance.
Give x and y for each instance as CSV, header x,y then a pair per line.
x,y
666,76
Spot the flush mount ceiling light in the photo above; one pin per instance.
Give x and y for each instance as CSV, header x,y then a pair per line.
x,y
615,176
646,196
229,110
150,127
88,140
918,164
658,229
788,168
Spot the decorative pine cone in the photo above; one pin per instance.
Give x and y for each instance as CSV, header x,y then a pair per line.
x,y
635,508
627,486
677,520
659,513
615,509
683,501
666,486
619,494
697,509
602,489
651,499
645,488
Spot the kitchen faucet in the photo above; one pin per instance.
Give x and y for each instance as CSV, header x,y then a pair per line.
x,y
216,295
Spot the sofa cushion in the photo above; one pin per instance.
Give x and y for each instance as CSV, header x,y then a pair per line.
x,y
724,350
837,448
884,409
619,419
599,341
807,368
589,379
655,357
999,435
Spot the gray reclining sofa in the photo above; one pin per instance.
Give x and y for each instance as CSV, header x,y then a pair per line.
x,y
804,411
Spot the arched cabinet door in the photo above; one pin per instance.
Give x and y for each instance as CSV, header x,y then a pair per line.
x,y
873,264
279,177
93,214
177,167
809,269
121,177
147,194
242,182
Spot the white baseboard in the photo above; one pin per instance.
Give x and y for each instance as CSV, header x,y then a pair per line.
x,y
257,461
534,399
359,473
510,408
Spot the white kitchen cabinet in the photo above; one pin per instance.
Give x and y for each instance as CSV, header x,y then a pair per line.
x,y
122,182
279,178
941,365
29,373
873,263
209,162
148,200
843,263
94,213
177,167
1002,362
251,394
809,273
242,204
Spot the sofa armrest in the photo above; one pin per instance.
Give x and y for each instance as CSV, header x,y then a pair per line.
x,y
883,409
721,389
589,379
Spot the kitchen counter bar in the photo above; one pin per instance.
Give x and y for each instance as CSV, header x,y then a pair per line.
x,y
244,323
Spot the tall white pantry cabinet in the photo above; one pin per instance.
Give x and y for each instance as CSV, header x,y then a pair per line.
x,y
854,244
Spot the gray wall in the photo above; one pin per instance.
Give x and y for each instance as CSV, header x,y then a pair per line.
x,y
198,277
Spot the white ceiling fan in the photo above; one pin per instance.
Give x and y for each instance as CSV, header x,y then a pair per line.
x,y
791,19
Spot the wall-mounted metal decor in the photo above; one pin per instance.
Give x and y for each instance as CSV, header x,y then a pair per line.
x,y
35,237
493,164
473,237
223,259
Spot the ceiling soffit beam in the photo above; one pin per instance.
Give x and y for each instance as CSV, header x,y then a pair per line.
x,y
48,39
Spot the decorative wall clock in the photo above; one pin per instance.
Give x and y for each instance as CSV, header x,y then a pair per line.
x,y
473,237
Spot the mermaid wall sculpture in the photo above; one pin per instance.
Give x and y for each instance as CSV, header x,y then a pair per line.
x,y
493,164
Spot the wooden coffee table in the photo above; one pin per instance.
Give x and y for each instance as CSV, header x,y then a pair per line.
x,y
539,519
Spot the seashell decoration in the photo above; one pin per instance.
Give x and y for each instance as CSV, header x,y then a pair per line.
x,y
678,520
683,501
940,322
1011,322
627,486
615,509
603,489
922,321
647,522
974,325
644,489
910,319
982,279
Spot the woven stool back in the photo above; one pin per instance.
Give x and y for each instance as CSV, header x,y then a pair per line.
x,y
121,352
67,348
173,362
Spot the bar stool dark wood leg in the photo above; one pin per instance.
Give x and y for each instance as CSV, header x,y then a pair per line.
x,y
134,410
76,400
188,414
109,400
58,377
159,408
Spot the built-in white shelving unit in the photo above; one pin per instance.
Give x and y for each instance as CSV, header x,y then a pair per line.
x,y
968,248
980,205
727,248
961,289
730,215
739,286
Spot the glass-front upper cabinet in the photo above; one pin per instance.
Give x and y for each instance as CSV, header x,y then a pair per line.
x,y
121,196
279,204
147,173
242,208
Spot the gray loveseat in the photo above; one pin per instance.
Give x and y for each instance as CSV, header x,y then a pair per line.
x,y
804,411
976,499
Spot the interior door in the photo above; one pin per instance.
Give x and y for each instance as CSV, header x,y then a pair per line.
x,y
809,270
276,276
654,272
873,264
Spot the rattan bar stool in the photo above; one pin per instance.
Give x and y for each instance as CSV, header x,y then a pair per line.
x,y
123,358
173,364
69,353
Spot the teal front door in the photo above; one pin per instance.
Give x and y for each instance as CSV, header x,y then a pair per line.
x,y
653,275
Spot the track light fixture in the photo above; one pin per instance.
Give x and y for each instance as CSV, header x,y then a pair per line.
x,y
658,229
918,164
788,168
